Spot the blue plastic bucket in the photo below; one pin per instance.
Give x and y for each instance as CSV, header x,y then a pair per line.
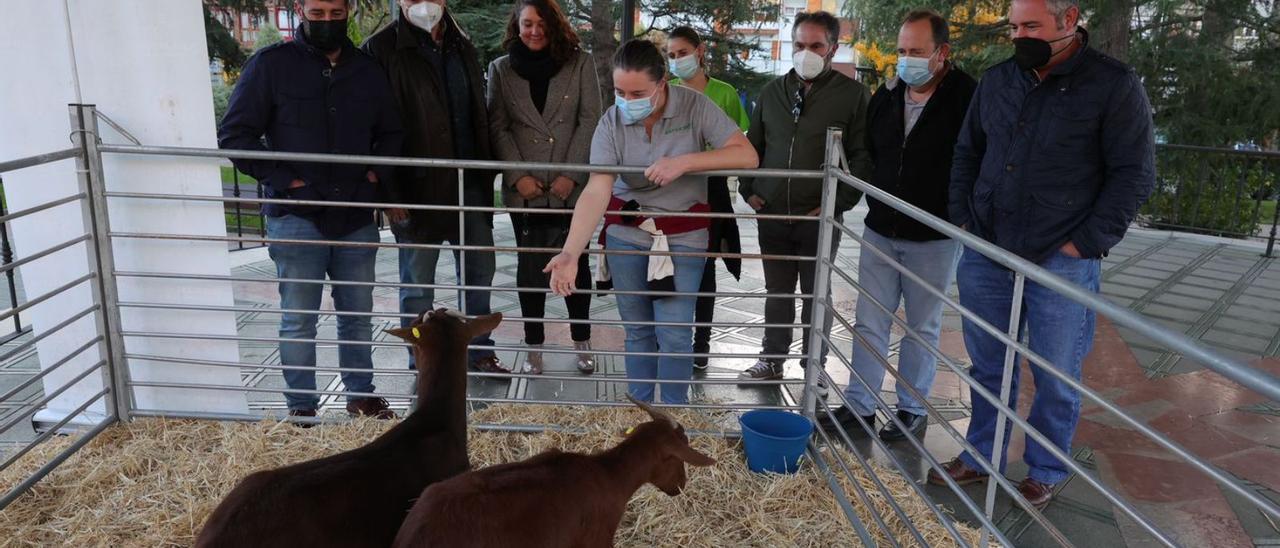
x,y
774,440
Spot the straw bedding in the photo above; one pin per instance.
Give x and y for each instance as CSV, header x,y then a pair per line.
x,y
153,482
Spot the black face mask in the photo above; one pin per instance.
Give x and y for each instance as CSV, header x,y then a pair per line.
x,y
325,36
1032,53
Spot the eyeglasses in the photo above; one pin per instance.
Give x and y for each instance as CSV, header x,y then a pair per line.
x,y
798,106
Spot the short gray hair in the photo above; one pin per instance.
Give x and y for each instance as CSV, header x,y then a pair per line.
x,y
1059,9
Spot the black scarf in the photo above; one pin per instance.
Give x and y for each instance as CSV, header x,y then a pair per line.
x,y
538,67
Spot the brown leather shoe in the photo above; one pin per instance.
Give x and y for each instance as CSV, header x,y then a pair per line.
x,y
489,364
302,413
960,472
1038,494
370,407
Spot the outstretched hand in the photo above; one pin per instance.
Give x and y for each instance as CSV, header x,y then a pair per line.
x,y
564,270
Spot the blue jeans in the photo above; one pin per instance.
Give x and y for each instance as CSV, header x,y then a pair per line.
x,y
1057,328
933,261
630,273
418,266
313,262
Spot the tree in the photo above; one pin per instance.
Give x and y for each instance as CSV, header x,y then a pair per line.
x,y
221,45
267,36
1209,66
485,21
594,21
1210,69
602,40
1110,26
719,23
221,97
370,18
978,30
596,24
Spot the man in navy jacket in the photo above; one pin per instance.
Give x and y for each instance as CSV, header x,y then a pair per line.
x,y
1054,159
319,94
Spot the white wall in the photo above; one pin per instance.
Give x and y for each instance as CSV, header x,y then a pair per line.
x,y
144,64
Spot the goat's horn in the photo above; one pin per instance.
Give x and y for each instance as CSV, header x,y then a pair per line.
x,y
653,412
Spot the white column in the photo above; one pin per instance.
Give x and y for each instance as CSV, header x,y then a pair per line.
x,y
144,64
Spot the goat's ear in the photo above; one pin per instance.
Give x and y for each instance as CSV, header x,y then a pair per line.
x,y
405,333
684,452
484,324
653,412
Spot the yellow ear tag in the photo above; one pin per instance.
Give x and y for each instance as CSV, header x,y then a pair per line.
x,y
630,430
416,334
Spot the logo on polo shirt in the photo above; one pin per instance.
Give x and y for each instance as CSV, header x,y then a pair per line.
x,y
685,127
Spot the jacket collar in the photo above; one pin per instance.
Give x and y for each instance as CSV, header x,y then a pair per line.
x,y
1077,58
793,78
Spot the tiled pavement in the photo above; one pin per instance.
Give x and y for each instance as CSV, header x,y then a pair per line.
x,y
1223,294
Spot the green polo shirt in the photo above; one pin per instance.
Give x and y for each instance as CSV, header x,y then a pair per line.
x,y
725,97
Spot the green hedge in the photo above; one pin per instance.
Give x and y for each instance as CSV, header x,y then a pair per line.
x,y
1212,193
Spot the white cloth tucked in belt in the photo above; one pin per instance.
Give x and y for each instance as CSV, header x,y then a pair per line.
x,y
660,266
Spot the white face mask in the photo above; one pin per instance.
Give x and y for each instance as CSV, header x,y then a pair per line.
x,y
808,64
425,15
685,67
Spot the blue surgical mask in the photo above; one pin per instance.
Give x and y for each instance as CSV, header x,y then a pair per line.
x,y
634,110
685,67
914,71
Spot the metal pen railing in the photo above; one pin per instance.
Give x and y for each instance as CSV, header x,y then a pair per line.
x,y
6,263
1023,270
114,357
1216,191
73,365
238,212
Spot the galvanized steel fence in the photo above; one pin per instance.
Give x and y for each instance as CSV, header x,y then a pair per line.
x,y
111,344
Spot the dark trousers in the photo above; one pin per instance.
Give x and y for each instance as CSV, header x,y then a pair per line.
x,y
704,312
534,304
798,238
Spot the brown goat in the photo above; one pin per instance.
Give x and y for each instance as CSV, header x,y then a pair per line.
x,y
554,499
360,497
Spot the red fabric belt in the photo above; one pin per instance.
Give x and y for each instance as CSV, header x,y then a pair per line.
x,y
668,225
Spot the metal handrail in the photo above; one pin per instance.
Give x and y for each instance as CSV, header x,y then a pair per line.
x,y
1250,378
491,165
412,397
516,319
39,159
448,208
1267,154
454,247
596,378
493,347
1254,379
1013,344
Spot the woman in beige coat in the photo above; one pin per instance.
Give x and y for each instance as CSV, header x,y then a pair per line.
x,y
544,103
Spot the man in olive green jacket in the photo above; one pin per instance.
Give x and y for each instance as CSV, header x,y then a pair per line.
x,y
788,129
